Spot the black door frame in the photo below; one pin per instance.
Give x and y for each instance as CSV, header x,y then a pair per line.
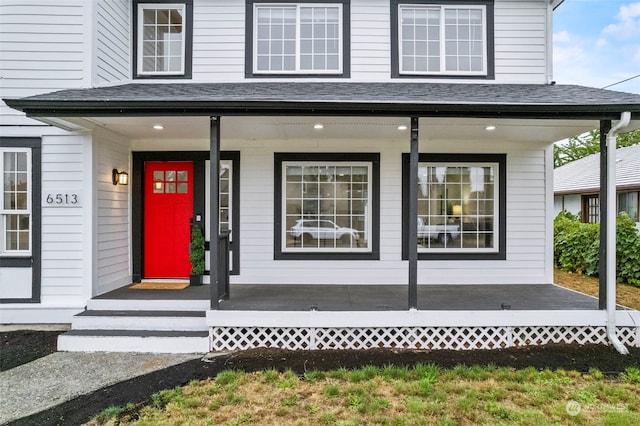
x,y
199,159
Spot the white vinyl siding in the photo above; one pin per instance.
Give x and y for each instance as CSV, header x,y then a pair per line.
x,y
113,213
520,55
370,40
112,23
526,204
42,48
65,247
218,41
520,34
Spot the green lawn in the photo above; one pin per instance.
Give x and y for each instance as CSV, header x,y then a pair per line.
x,y
421,395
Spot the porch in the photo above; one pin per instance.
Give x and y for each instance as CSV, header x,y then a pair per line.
x,y
298,316
339,297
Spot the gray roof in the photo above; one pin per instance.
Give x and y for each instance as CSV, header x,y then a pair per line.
x,y
336,98
583,175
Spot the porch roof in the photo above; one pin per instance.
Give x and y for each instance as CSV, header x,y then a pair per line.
x,y
335,98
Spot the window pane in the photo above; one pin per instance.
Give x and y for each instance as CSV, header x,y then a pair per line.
x,y
161,40
328,210
456,207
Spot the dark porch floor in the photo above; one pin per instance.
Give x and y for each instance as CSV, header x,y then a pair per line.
x,y
298,297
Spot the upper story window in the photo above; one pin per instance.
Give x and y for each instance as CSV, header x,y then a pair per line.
x,y
297,38
452,39
163,32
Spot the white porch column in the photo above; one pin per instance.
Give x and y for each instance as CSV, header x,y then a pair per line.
x,y
611,232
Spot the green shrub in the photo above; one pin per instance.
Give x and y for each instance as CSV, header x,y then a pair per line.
x,y
628,250
196,251
576,247
576,244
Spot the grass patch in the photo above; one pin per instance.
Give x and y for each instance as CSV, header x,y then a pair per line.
x,y
424,394
626,295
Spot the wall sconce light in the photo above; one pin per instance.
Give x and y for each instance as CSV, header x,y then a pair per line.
x,y
119,178
457,210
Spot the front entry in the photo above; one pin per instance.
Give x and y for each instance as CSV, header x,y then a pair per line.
x,y
168,209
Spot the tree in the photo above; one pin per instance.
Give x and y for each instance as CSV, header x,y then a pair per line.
x,y
587,144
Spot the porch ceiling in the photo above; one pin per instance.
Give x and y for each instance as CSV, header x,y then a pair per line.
x,y
371,128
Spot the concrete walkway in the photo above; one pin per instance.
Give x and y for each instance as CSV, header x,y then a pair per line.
x,y
62,376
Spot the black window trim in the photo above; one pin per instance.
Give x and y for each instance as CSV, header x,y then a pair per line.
x,y
346,41
373,158
395,48
501,159
35,260
188,40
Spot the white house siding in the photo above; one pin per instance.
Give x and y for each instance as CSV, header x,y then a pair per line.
x,y
42,49
526,206
218,40
571,203
520,49
112,228
112,32
64,251
370,40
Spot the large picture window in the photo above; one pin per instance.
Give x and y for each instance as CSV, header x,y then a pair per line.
x,y
460,205
327,206
16,201
297,38
163,39
452,39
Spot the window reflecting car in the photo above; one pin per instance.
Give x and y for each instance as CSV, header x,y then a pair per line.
x,y
443,232
322,230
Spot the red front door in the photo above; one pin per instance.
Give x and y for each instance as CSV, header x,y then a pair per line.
x,y
168,208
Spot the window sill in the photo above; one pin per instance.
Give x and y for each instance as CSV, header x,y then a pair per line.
x,y
326,256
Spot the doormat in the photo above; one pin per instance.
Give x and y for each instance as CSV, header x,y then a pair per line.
x,y
159,286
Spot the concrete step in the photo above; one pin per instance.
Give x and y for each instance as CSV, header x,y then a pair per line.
x,y
140,320
147,305
134,341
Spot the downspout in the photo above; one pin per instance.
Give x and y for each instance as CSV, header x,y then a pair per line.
x,y
553,4
625,117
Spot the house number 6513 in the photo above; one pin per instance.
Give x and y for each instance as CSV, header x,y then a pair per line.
x,y
64,199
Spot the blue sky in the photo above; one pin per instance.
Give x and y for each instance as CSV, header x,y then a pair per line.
x,y
597,43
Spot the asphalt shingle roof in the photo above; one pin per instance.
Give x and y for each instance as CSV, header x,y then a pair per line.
x,y
446,99
583,175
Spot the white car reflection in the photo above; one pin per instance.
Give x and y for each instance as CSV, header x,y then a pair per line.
x,y
322,230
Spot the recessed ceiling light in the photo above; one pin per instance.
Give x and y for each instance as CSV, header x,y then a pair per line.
x,y
490,128
402,127
158,127
318,126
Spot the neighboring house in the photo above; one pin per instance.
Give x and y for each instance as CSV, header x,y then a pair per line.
x,y
360,115
576,185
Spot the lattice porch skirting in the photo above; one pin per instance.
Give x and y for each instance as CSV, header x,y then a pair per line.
x,y
456,338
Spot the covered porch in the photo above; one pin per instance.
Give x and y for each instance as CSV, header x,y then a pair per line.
x,y
461,317
296,303
341,297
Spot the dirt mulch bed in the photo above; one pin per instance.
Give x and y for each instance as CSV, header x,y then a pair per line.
x,y
139,390
23,346
626,295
